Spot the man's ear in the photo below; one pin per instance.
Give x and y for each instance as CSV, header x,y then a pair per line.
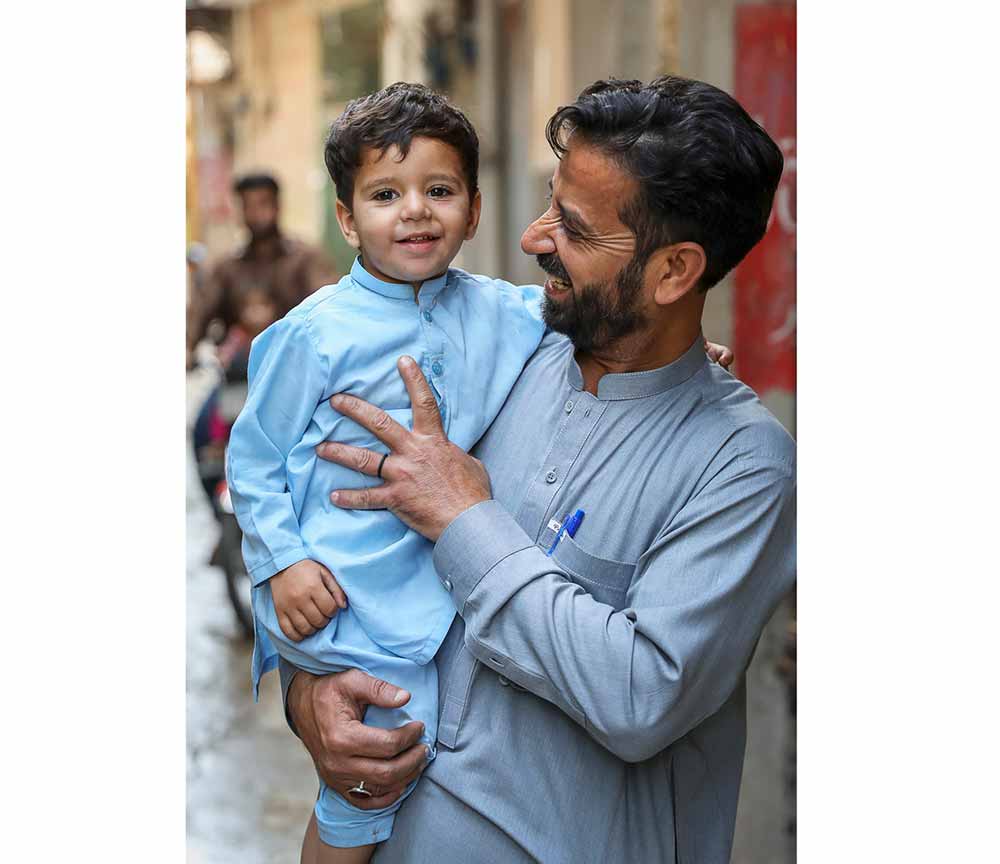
x,y
345,219
474,212
676,270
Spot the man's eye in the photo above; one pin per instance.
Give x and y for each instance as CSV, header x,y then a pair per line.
x,y
384,195
439,192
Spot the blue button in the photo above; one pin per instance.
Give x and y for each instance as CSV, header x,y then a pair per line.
x,y
436,367
428,316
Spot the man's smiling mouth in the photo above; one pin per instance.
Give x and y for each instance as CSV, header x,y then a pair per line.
x,y
557,286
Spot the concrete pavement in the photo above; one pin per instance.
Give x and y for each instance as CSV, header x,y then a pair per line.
x,y
250,783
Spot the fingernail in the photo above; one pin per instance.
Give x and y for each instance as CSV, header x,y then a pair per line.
x,y
334,496
335,400
427,753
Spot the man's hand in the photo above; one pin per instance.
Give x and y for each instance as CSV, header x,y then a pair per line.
x,y
719,354
306,597
327,712
428,481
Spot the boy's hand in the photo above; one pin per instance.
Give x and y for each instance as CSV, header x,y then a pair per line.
x,y
719,354
306,597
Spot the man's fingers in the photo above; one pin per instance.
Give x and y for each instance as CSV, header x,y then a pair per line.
x,y
367,690
339,597
377,802
387,773
373,742
426,414
374,419
356,458
415,773
372,498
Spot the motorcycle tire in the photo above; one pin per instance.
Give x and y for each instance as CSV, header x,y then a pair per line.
x,y
237,579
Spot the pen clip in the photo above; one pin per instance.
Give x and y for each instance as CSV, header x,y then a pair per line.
x,y
559,534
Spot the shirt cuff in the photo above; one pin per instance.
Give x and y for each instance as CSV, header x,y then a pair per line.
x,y
475,543
266,569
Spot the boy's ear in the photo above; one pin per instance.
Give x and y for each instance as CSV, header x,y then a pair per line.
x,y
474,212
345,219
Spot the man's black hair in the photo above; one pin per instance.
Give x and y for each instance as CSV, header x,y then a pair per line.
x,y
706,171
256,181
393,116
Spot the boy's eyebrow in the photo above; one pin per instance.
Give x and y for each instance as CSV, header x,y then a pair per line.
x,y
571,219
449,178
378,181
431,178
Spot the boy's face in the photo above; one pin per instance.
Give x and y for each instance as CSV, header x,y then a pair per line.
x,y
410,216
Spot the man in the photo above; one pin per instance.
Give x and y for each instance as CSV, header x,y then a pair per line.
x,y
593,687
271,268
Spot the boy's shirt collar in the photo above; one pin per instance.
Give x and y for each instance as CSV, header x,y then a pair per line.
x,y
392,289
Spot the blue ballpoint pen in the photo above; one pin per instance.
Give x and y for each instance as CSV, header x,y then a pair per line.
x,y
569,526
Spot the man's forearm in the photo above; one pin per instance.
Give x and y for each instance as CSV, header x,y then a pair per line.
x,y
635,679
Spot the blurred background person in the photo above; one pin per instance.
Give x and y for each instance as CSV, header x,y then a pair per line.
x,y
267,277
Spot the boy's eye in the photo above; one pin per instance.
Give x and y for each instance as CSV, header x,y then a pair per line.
x,y
439,191
384,195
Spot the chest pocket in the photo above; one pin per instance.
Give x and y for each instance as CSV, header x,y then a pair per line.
x,y
605,580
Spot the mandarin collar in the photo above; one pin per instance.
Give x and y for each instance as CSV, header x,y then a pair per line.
x,y
404,291
635,385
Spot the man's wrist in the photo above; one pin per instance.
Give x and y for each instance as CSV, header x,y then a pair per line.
x,y
460,511
473,544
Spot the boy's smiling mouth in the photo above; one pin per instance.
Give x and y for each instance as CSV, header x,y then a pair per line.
x,y
417,239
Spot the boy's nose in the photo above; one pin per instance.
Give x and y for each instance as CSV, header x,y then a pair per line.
x,y
414,207
536,239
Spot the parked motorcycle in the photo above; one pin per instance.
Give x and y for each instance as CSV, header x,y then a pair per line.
x,y
211,435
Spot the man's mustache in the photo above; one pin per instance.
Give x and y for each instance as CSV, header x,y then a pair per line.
x,y
551,264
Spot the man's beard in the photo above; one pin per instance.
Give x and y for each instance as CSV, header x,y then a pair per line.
x,y
595,315
262,233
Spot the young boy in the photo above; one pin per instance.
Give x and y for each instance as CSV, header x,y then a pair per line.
x,y
405,164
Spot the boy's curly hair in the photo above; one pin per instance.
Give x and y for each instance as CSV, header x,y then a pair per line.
x,y
394,115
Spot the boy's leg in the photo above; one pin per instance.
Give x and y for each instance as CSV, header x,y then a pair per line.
x,y
315,851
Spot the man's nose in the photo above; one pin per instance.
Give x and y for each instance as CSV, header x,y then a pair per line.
x,y
536,239
414,206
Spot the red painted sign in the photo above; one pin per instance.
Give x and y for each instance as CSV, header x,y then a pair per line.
x,y
764,283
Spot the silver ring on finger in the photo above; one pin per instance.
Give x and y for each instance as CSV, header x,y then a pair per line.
x,y
359,791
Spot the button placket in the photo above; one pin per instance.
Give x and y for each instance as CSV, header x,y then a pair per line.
x,y
573,433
